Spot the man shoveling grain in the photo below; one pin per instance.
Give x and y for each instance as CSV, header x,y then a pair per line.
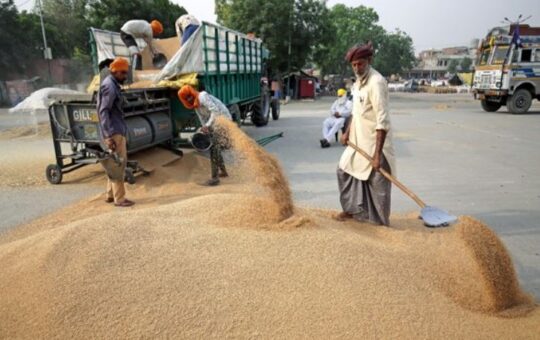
x,y
364,191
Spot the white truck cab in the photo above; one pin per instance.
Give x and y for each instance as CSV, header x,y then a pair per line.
x,y
507,71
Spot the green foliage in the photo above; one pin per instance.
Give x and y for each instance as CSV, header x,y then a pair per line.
x,y
349,26
303,23
452,66
21,38
466,64
395,53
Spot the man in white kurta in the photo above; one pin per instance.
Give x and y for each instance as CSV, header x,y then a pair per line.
x,y
339,112
364,192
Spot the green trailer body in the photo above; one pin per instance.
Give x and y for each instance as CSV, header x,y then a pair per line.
x,y
233,70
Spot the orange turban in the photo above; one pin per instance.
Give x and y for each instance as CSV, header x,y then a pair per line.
x,y
187,91
157,27
119,64
359,52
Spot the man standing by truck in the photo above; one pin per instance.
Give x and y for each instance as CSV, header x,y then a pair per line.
x,y
142,29
364,191
208,108
113,127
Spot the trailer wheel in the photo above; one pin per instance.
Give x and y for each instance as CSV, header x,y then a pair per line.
x,y
261,110
519,102
53,174
129,177
276,108
490,106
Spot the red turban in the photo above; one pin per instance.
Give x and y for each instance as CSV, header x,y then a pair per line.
x,y
359,52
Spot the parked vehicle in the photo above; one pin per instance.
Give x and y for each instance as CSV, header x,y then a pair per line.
x,y
508,69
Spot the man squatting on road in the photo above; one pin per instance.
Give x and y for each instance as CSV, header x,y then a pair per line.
x,y
339,112
113,127
364,191
208,108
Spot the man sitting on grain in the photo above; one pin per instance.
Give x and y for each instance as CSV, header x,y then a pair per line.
x,y
364,191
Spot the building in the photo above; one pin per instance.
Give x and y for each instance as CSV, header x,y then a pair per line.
x,y
434,63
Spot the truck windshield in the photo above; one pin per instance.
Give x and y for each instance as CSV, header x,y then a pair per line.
x,y
485,56
499,55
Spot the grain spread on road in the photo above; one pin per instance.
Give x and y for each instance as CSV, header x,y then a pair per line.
x,y
239,261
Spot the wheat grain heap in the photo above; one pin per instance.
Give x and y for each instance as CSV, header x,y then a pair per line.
x,y
239,261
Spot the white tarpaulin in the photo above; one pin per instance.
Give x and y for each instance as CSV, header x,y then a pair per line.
x,y
39,101
188,59
109,45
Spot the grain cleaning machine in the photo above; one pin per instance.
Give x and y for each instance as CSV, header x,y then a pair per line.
x,y
75,130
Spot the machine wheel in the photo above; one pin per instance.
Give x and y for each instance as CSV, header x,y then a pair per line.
x,y
236,115
490,106
129,177
54,174
261,109
519,102
276,108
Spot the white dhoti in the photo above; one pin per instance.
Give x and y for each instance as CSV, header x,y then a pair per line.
x,y
331,125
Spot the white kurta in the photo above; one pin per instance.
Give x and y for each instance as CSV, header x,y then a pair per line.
x,y
331,125
370,113
210,107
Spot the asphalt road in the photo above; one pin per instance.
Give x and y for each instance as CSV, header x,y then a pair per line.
x,y
451,153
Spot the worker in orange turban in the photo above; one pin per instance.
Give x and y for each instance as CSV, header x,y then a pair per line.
x,y
208,109
189,97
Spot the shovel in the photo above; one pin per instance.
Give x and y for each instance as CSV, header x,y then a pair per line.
x,y
112,163
432,216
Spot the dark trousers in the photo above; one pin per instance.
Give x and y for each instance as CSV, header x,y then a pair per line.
x,y
216,158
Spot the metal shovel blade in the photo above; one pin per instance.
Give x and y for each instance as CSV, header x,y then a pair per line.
x,y
435,217
113,165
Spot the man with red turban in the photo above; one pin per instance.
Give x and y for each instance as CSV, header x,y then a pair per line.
x,y
208,108
364,191
113,127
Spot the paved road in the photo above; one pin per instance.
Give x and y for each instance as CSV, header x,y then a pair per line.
x,y
449,151
453,154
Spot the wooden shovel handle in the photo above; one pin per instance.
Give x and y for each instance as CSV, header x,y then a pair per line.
x,y
390,177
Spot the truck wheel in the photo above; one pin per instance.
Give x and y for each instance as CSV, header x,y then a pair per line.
x,y
53,174
261,110
519,102
490,106
276,108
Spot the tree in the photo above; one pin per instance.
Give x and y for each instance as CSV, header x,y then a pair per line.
x,y
68,18
303,23
349,26
452,66
466,64
395,53
20,39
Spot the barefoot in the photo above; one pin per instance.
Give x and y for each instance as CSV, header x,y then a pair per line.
x,y
342,216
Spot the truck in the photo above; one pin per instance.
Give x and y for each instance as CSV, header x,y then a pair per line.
x,y
507,70
231,65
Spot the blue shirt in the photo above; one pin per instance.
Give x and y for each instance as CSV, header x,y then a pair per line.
x,y
189,32
109,107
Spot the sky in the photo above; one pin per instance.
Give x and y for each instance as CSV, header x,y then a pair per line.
x,y
431,23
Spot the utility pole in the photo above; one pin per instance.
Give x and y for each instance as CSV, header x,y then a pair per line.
x,y
291,23
47,54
